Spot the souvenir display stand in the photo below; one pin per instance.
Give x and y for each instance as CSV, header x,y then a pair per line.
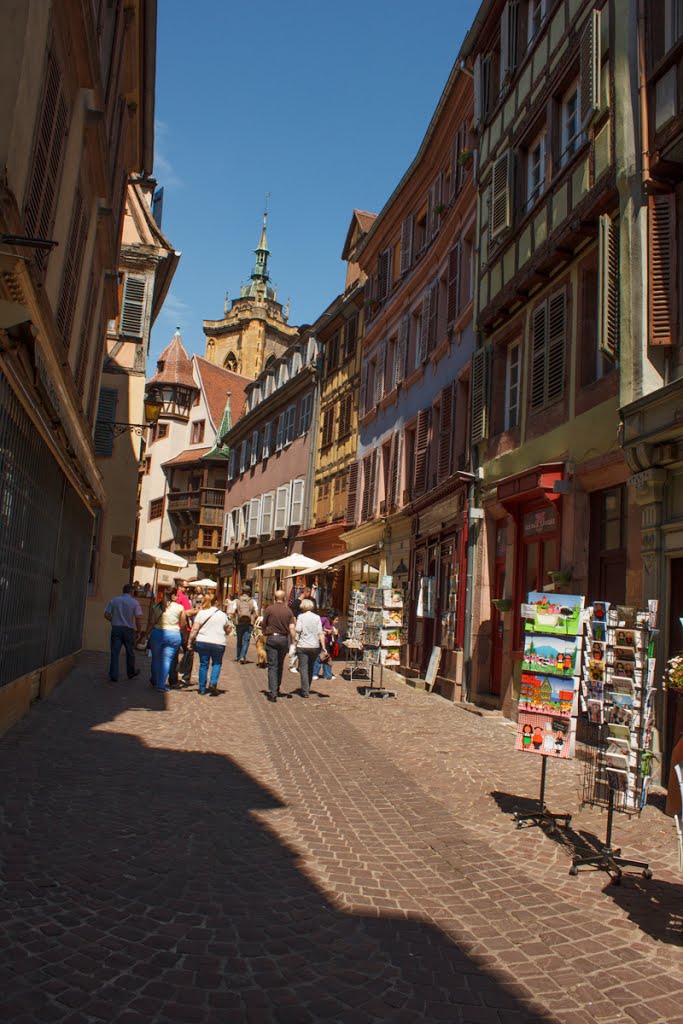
x,y
618,697
375,622
353,644
548,700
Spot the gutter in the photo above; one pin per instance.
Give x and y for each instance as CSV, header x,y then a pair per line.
x,y
149,70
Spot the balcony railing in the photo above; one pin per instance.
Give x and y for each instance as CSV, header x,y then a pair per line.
x,y
181,500
213,496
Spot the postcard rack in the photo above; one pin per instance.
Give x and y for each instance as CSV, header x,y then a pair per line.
x,y
377,618
617,691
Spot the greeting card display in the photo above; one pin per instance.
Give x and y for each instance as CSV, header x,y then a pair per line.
x,y
392,617
559,615
554,655
393,598
544,734
391,637
391,656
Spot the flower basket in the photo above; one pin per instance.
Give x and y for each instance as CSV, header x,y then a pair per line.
x,y
502,604
673,673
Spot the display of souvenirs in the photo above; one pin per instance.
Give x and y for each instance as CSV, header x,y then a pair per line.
x,y
392,617
554,655
547,694
559,615
374,618
391,656
391,637
393,598
544,734
374,597
373,636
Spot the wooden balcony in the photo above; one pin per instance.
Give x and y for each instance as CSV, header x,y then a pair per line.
x,y
213,497
182,501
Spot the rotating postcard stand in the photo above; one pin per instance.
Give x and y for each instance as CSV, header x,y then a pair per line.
x,y
609,859
548,699
382,636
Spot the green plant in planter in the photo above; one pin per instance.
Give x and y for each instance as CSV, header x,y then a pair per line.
x,y
465,157
502,604
439,209
673,673
560,577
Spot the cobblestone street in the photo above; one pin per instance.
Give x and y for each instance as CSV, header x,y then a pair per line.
x,y
172,858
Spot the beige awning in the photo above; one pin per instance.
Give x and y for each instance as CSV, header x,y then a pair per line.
x,y
348,555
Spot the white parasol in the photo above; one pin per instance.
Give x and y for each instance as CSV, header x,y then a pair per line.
x,y
302,562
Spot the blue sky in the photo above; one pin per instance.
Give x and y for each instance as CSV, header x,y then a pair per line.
x,y
322,105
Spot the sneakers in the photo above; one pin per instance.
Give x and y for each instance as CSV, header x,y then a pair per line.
x,y
315,677
243,661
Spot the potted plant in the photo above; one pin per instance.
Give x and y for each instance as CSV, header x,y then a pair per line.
x,y
440,208
560,577
465,157
673,685
502,604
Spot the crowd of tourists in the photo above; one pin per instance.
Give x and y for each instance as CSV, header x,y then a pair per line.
x,y
186,620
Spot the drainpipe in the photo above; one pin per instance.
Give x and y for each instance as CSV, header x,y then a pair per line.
x,y
312,447
645,178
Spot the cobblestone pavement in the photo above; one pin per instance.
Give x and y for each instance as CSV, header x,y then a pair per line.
x,y
174,858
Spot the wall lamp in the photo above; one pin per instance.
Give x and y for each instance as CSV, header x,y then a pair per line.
x,y
152,413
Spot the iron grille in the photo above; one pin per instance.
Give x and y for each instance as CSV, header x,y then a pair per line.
x,y
45,540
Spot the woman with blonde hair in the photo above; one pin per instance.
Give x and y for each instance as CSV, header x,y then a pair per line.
x,y
169,620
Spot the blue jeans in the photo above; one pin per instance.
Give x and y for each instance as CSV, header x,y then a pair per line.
x,y
214,653
164,644
244,631
326,668
121,636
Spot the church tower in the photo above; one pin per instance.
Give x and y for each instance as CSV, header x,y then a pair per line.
x,y
254,326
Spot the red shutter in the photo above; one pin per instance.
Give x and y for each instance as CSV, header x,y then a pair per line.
x,y
367,487
445,434
352,494
453,304
424,418
663,273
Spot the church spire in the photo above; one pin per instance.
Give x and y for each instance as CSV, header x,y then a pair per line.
x,y
260,271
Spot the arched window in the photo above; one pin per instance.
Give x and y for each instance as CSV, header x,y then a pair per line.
x,y
230,362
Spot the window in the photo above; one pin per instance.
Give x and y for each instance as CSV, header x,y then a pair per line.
x,y
156,508
290,424
73,265
536,15
254,448
297,503
133,306
512,364
243,456
305,413
254,516
267,509
548,331
281,507
607,544
197,434
665,19
147,465
162,431
197,399
267,440
327,434
280,436
106,414
332,354
535,171
232,464
571,126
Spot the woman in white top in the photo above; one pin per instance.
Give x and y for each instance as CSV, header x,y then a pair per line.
x,y
169,618
310,640
212,625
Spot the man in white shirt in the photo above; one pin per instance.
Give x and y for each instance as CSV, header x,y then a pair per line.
x,y
127,621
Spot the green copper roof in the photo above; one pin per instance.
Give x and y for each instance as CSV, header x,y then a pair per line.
x,y
259,275
221,451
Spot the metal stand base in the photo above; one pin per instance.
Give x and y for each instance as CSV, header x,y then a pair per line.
x,y
609,859
376,691
542,816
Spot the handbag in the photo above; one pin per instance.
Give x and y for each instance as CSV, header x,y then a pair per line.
x,y
185,663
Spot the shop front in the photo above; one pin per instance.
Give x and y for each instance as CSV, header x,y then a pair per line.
x,y
437,589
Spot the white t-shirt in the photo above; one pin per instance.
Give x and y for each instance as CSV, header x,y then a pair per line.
x,y
214,630
308,630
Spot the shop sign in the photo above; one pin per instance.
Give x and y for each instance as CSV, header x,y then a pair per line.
x,y
542,520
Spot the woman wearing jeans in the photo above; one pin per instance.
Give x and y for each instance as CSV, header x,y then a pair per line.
x,y
310,640
212,625
169,619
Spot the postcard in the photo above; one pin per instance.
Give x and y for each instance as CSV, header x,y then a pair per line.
x,y
373,618
600,609
546,694
621,684
393,598
391,637
392,617
552,655
617,780
547,735
391,656
617,731
596,630
374,597
559,615
626,616
624,654
617,761
618,746
595,711
596,671
619,714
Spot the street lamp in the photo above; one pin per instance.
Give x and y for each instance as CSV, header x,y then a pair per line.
x,y
152,413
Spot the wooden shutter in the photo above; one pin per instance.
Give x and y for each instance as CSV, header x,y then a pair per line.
x,y
367,486
352,494
557,340
380,370
395,470
436,195
608,287
422,431
508,40
363,388
296,514
39,209
267,507
133,306
401,367
500,212
351,337
479,429
443,469
424,327
539,322
73,264
86,334
589,74
478,91
383,274
453,300
433,315
281,507
663,272
407,235
106,415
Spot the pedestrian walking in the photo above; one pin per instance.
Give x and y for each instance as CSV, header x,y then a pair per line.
x,y
305,595
245,617
126,618
277,623
211,624
169,620
310,641
323,663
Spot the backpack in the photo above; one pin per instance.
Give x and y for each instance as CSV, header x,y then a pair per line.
x,y
244,609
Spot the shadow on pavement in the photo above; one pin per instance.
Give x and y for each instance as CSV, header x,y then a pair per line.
x,y
656,907
138,887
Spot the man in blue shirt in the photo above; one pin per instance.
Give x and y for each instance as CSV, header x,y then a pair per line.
x,y
125,615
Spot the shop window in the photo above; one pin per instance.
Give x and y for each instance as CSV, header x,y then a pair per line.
x,y
607,545
535,16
